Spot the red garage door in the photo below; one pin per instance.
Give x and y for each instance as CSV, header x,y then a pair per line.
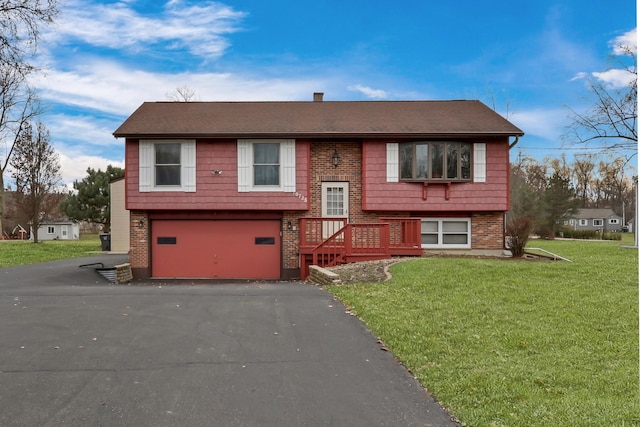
x,y
229,249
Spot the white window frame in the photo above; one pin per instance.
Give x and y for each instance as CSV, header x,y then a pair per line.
x,y
187,166
614,221
583,222
287,166
51,229
598,222
440,233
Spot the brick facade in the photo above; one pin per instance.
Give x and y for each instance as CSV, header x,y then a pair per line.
x,y
139,244
487,230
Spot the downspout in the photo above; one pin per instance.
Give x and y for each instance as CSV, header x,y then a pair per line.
x,y
513,144
504,231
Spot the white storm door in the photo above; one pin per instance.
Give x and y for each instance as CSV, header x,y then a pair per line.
x,y
65,232
335,204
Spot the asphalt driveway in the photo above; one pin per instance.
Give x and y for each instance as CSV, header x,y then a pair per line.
x,y
78,351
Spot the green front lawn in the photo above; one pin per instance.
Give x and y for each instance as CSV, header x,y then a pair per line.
x,y
516,343
17,252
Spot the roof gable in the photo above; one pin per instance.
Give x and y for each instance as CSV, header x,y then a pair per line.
x,y
315,119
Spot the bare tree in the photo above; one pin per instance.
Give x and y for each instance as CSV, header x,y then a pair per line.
x,y
18,106
37,174
583,171
182,94
612,120
20,25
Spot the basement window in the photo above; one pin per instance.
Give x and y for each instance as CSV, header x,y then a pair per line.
x,y
452,233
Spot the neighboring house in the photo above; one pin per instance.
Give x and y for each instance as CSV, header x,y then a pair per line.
x,y
264,189
595,219
58,230
119,217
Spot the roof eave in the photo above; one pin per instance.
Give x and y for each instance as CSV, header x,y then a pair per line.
x,y
317,135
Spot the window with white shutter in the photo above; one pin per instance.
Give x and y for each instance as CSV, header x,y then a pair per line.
x,y
167,165
267,165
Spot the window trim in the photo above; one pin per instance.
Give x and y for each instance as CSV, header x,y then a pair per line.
x,y
583,222
600,222
246,166
614,221
51,229
441,233
146,148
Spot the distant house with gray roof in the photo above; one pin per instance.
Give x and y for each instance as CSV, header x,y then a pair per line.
x,y
596,219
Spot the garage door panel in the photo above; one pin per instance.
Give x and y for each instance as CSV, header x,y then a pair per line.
x,y
216,249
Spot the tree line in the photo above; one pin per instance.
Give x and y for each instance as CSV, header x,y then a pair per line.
x,y
553,190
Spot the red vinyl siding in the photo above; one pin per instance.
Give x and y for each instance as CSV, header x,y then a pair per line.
x,y
217,191
380,195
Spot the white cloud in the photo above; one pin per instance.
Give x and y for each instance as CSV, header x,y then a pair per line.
x,y
543,123
579,76
74,165
615,78
626,43
200,28
88,131
113,88
369,92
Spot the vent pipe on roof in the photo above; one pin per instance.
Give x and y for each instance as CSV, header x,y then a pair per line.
x,y
317,96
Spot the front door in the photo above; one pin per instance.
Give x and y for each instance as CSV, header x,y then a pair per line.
x,y
335,204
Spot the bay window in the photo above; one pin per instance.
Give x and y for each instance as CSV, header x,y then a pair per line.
x,y
435,160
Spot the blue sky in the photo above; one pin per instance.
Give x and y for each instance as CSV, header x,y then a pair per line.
x,y
526,59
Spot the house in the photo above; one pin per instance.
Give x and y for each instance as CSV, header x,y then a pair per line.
x,y
596,219
119,217
264,189
58,230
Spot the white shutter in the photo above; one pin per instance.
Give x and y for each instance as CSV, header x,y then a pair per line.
x,y
244,166
392,162
145,166
188,161
288,151
480,162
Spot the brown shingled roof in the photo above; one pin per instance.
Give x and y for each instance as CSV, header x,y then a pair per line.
x,y
315,119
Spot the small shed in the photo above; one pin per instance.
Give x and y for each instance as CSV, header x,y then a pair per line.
x,y
58,230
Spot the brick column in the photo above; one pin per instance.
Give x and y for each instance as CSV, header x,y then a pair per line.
x,y
487,230
139,244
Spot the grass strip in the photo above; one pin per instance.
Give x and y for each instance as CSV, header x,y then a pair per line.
x,y
510,342
18,252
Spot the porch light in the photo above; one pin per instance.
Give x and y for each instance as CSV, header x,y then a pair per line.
x,y
141,223
336,158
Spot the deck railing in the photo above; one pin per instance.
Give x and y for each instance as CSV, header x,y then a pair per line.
x,y
352,241
331,241
404,233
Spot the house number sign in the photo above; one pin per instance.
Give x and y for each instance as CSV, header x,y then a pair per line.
x,y
300,196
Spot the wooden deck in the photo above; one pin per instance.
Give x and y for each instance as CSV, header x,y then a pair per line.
x,y
330,242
